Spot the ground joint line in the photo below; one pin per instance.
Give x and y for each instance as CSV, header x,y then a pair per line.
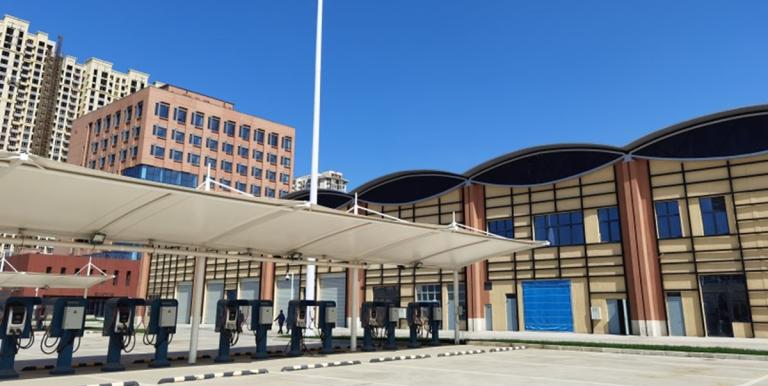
x,y
755,381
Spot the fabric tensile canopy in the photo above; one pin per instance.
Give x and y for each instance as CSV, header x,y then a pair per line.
x,y
47,280
42,197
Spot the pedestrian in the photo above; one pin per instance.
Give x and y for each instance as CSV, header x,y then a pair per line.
x,y
280,321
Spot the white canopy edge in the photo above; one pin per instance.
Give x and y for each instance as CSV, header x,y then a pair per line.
x,y
45,198
48,280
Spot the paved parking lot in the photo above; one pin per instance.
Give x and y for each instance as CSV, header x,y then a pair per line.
x,y
529,367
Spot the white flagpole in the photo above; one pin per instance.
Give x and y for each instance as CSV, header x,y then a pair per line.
x,y
311,269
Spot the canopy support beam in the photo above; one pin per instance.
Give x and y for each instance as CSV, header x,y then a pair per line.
x,y
197,307
456,307
353,311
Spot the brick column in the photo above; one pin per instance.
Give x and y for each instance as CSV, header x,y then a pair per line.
x,y
267,281
641,260
477,296
360,294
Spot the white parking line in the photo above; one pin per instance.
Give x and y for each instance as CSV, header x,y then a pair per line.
x,y
505,375
755,381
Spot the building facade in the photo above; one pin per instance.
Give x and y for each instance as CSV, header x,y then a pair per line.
x,y
665,236
327,180
42,92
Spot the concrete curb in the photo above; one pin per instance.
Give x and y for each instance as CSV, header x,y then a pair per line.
x,y
501,349
126,383
50,367
400,358
677,354
320,365
457,353
200,377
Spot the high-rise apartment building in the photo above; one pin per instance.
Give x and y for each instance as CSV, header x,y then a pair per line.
x,y
42,92
329,179
169,134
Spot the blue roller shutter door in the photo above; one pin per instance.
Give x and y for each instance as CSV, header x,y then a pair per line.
x,y
547,305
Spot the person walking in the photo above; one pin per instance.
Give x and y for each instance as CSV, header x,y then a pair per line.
x,y
280,321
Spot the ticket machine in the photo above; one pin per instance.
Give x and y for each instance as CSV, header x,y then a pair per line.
x,y
160,329
379,319
424,318
119,315
298,322
65,324
15,325
262,317
229,325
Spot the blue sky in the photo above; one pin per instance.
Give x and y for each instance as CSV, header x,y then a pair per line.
x,y
436,84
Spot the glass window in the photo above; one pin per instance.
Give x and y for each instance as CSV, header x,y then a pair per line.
x,y
609,224
139,109
228,148
428,293
111,160
285,178
271,175
285,161
668,219
95,147
212,144
193,159
256,190
159,131
242,170
226,166
714,216
136,131
242,151
161,110
195,140
157,151
272,158
134,152
273,137
107,122
502,227
177,136
287,143
97,126
197,119
117,119
126,135
123,155
180,115
213,124
258,136
269,192
256,172
240,186
563,228
129,112
245,132
211,162
229,128
283,193
176,155
258,155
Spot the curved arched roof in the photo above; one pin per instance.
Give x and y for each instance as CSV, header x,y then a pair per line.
x,y
728,134
408,186
544,164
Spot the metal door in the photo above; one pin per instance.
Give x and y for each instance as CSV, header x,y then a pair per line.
x,y
287,290
547,305
184,296
488,317
334,287
675,314
512,313
214,292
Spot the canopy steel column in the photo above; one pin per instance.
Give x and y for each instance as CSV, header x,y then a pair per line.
x,y
353,310
197,307
456,309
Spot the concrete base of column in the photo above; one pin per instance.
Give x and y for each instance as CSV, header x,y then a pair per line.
x,y
476,324
649,327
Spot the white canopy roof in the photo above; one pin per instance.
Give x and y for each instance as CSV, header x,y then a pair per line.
x,y
47,280
48,198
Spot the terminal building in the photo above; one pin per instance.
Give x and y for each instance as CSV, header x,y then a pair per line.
x,y
664,236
